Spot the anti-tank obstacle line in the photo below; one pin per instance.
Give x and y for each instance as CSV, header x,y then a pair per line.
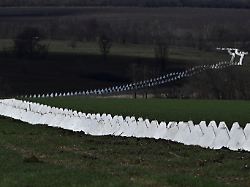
x,y
211,136
178,75
167,78
233,52
195,70
153,82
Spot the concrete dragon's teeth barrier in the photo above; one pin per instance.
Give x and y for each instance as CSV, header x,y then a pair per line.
x,y
207,136
167,78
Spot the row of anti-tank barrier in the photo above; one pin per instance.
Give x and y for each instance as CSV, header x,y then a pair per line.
x,y
153,82
207,136
171,77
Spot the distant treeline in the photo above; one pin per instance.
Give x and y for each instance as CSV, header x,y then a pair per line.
x,y
140,3
191,27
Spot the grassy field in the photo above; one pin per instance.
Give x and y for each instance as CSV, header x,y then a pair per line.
x,y
160,109
43,156
127,50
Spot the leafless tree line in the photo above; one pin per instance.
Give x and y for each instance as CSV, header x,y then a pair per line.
x,y
74,29
141,3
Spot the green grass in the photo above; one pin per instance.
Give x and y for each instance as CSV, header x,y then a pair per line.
x,y
160,109
44,156
129,50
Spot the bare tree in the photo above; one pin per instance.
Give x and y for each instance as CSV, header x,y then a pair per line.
x,y
161,53
161,38
27,43
105,44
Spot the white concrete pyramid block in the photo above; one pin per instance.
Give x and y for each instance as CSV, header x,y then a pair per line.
x,y
57,120
222,137
123,128
66,123
115,126
35,117
172,130
237,137
2,108
152,128
195,135
208,135
129,127
160,131
84,124
107,128
183,134
246,145
49,118
98,116
140,129
214,127
120,130
96,128
148,129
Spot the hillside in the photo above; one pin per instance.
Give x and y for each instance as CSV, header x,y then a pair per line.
x,y
44,156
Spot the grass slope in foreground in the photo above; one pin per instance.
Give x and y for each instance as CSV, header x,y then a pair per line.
x,y
44,156
160,109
